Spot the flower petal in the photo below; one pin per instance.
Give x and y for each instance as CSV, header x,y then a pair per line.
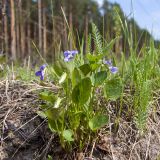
x,y
43,67
74,52
42,75
66,53
66,59
38,73
42,78
114,70
108,62
69,55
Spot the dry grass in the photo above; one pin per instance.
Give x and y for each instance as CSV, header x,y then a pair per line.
x,y
24,135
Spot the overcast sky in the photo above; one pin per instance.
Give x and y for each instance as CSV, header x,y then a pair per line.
x,y
146,13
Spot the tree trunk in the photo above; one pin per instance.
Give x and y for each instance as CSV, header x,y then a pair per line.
x,y
22,30
18,30
35,32
29,38
1,29
1,37
13,31
40,24
5,24
28,29
53,29
44,34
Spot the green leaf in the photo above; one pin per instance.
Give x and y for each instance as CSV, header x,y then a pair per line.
x,y
67,134
60,67
41,114
57,68
74,119
53,113
57,103
97,122
95,66
85,69
76,77
47,96
94,58
55,125
64,66
109,46
63,78
113,89
100,77
97,38
82,91
49,157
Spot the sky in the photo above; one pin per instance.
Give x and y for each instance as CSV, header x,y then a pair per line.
x,y
145,12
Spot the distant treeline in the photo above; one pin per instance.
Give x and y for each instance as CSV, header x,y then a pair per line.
x,y
55,25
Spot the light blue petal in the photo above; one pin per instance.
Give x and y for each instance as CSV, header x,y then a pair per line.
x,y
66,59
114,70
108,62
42,75
66,53
43,67
74,52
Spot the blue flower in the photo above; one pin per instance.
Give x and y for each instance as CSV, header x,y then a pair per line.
x,y
69,55
114,70
108,62
41,72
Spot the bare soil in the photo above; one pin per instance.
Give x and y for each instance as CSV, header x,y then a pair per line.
x,y
25,136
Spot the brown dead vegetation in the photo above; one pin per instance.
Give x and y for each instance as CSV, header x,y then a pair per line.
x,y
25,136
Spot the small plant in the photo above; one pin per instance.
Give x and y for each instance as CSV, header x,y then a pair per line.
x,y
143,71
71,112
